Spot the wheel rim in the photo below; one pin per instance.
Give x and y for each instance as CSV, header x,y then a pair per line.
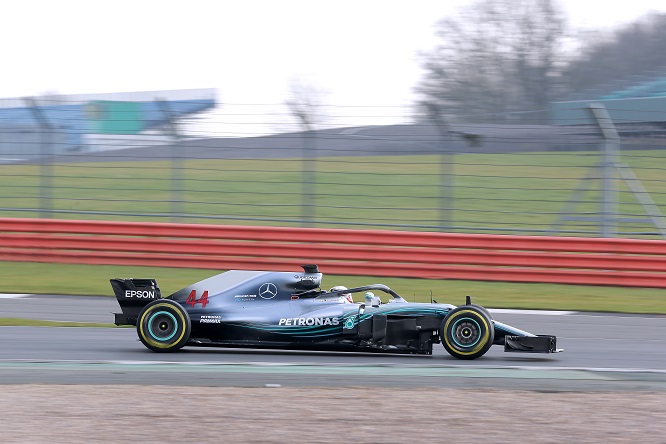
x,y
466,332
162,326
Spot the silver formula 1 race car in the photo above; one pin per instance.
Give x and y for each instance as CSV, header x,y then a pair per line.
x,y
289,310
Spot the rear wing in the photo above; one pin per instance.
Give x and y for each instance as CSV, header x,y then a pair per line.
x,y
133,294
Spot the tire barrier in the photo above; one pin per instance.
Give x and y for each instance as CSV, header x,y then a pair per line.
x,y
430,255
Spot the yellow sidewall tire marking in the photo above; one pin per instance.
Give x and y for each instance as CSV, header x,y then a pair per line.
x,y
482,342
160,344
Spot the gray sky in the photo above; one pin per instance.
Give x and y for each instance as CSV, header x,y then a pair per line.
x,y
359,52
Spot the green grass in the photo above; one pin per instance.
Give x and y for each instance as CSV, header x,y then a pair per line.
x,y
94,280
14,322
491,192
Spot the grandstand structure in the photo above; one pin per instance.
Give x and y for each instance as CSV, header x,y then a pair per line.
x,y
636,107
652,88
32,127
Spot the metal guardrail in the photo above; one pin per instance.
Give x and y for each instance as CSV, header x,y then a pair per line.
x,y
430,255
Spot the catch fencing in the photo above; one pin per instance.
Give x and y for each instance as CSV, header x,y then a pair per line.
x,y
254,165
564,260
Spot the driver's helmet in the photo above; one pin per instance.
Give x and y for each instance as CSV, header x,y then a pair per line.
x,y
346,296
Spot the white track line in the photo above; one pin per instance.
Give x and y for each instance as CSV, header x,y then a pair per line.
x,y
531,312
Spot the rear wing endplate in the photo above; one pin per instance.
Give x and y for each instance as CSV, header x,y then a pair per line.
x,y
133,294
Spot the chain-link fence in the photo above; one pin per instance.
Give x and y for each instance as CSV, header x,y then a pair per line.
x,y
103,160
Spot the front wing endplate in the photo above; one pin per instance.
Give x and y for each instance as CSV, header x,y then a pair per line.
x,y
531,344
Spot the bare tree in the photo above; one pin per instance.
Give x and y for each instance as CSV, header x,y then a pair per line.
x,y
609,61
52,98
305,106
496,57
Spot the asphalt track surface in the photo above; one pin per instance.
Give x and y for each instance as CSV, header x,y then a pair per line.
x,y
602,352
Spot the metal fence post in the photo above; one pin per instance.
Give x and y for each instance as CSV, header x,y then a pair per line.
x,y
309,180
608,167
446,177
446,185
45,152
176,164
611,171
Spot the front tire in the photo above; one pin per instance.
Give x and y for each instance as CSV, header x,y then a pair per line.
x,y
163,326
468,332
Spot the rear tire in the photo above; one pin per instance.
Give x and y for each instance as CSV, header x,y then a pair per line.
x,y
468,332
163,326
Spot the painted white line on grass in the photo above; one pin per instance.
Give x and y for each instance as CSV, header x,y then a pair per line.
x,y
531,312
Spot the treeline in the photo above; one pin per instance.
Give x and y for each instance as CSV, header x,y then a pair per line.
x,y
506,60
631,53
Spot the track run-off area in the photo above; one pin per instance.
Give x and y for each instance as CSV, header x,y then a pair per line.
x,y
601,352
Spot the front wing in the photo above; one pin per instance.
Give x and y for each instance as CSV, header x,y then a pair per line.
x,y
531,344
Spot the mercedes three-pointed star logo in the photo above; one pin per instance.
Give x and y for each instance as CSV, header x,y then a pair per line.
x,y
268,290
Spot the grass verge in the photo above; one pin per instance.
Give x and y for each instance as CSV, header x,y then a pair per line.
x,y
12,322
503,193
94,280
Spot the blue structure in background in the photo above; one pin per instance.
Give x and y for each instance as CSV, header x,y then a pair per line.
x,y
655,88
641,104
73,120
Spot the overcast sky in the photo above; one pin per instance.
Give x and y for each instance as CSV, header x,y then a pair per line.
x,y
360,52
